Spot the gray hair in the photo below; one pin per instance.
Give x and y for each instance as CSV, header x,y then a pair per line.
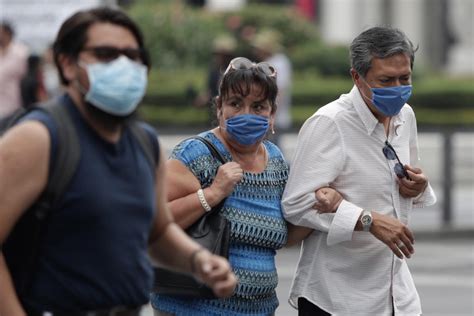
x,y
379,42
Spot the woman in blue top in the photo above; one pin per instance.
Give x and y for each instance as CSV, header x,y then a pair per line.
x,y
252,181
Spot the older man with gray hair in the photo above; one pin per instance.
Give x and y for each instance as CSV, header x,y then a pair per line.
x,y
365,146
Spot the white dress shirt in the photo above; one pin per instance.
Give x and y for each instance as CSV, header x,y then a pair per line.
x,y
347,272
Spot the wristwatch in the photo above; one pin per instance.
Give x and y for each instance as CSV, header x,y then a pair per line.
x,y
366,220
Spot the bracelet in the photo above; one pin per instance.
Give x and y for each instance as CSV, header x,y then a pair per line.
x,y
202,200
192,258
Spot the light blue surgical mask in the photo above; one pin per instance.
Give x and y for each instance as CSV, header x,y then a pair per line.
x,y
390,100
247,129
116,87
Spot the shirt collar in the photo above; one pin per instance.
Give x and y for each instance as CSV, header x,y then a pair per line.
x,y
366,116
397,121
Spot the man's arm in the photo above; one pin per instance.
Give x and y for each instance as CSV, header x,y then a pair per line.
x,y
318,160
393,233
170,246
418,187
9,302
24,161
328,200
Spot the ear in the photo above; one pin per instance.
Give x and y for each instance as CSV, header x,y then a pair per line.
x,y
272,123
354,75
218,106
69,67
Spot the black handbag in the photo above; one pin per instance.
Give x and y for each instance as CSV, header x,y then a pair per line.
x,y
212,231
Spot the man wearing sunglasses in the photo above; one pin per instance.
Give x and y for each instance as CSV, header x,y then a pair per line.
x,y
93,257
364,145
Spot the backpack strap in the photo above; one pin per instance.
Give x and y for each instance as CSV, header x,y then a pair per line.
x,y
68,152
23,244
12,119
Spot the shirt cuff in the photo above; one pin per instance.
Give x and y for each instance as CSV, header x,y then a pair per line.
x,y
426,198
343,224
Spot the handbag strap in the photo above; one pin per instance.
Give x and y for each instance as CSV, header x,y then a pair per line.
x,y
215,153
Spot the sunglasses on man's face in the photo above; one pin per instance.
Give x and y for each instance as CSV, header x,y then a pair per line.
x,y
242,63
109,53
390,153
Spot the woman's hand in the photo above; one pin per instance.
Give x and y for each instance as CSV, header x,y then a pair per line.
x,y
328,200
228,175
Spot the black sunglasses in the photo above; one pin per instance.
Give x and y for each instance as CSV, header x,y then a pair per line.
x,y
109,53
390,153
242,63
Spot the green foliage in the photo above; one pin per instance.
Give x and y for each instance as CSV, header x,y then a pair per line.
x,y
294,29
175,81
322,59
436,100
179,36
180,42
176,35
167,116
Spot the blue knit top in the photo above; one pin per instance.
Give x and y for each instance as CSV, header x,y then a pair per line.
x,y
257,230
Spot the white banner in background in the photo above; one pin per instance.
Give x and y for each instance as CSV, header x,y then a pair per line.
x,y
36,22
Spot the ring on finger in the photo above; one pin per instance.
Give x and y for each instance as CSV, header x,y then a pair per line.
x,y
401,244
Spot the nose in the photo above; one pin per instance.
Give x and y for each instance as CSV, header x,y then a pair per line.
x,y
246,110
397,83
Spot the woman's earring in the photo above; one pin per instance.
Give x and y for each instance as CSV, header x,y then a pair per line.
x,y
273,131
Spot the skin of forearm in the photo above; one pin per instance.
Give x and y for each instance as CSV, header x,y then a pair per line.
x,y
186,210
9,302
296,234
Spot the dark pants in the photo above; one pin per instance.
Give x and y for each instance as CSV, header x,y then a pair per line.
x,y
306,308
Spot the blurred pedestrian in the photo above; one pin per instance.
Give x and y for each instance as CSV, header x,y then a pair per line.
x,y
251,182
13,65
93,256
50,74
365,146
268,48
223,51
32,85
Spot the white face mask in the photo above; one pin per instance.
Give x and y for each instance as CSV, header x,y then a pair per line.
x,y
116,87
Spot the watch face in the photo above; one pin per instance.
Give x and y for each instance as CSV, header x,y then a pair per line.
x,y
366,220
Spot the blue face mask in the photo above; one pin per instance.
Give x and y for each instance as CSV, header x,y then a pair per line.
x,y
389,101
116,87
247,129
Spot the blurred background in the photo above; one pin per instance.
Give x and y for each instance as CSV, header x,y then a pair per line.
x,y
185,38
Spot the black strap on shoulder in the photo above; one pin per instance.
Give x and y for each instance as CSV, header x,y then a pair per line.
x,y
215,153
68,152
22,246
9,121
148,142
